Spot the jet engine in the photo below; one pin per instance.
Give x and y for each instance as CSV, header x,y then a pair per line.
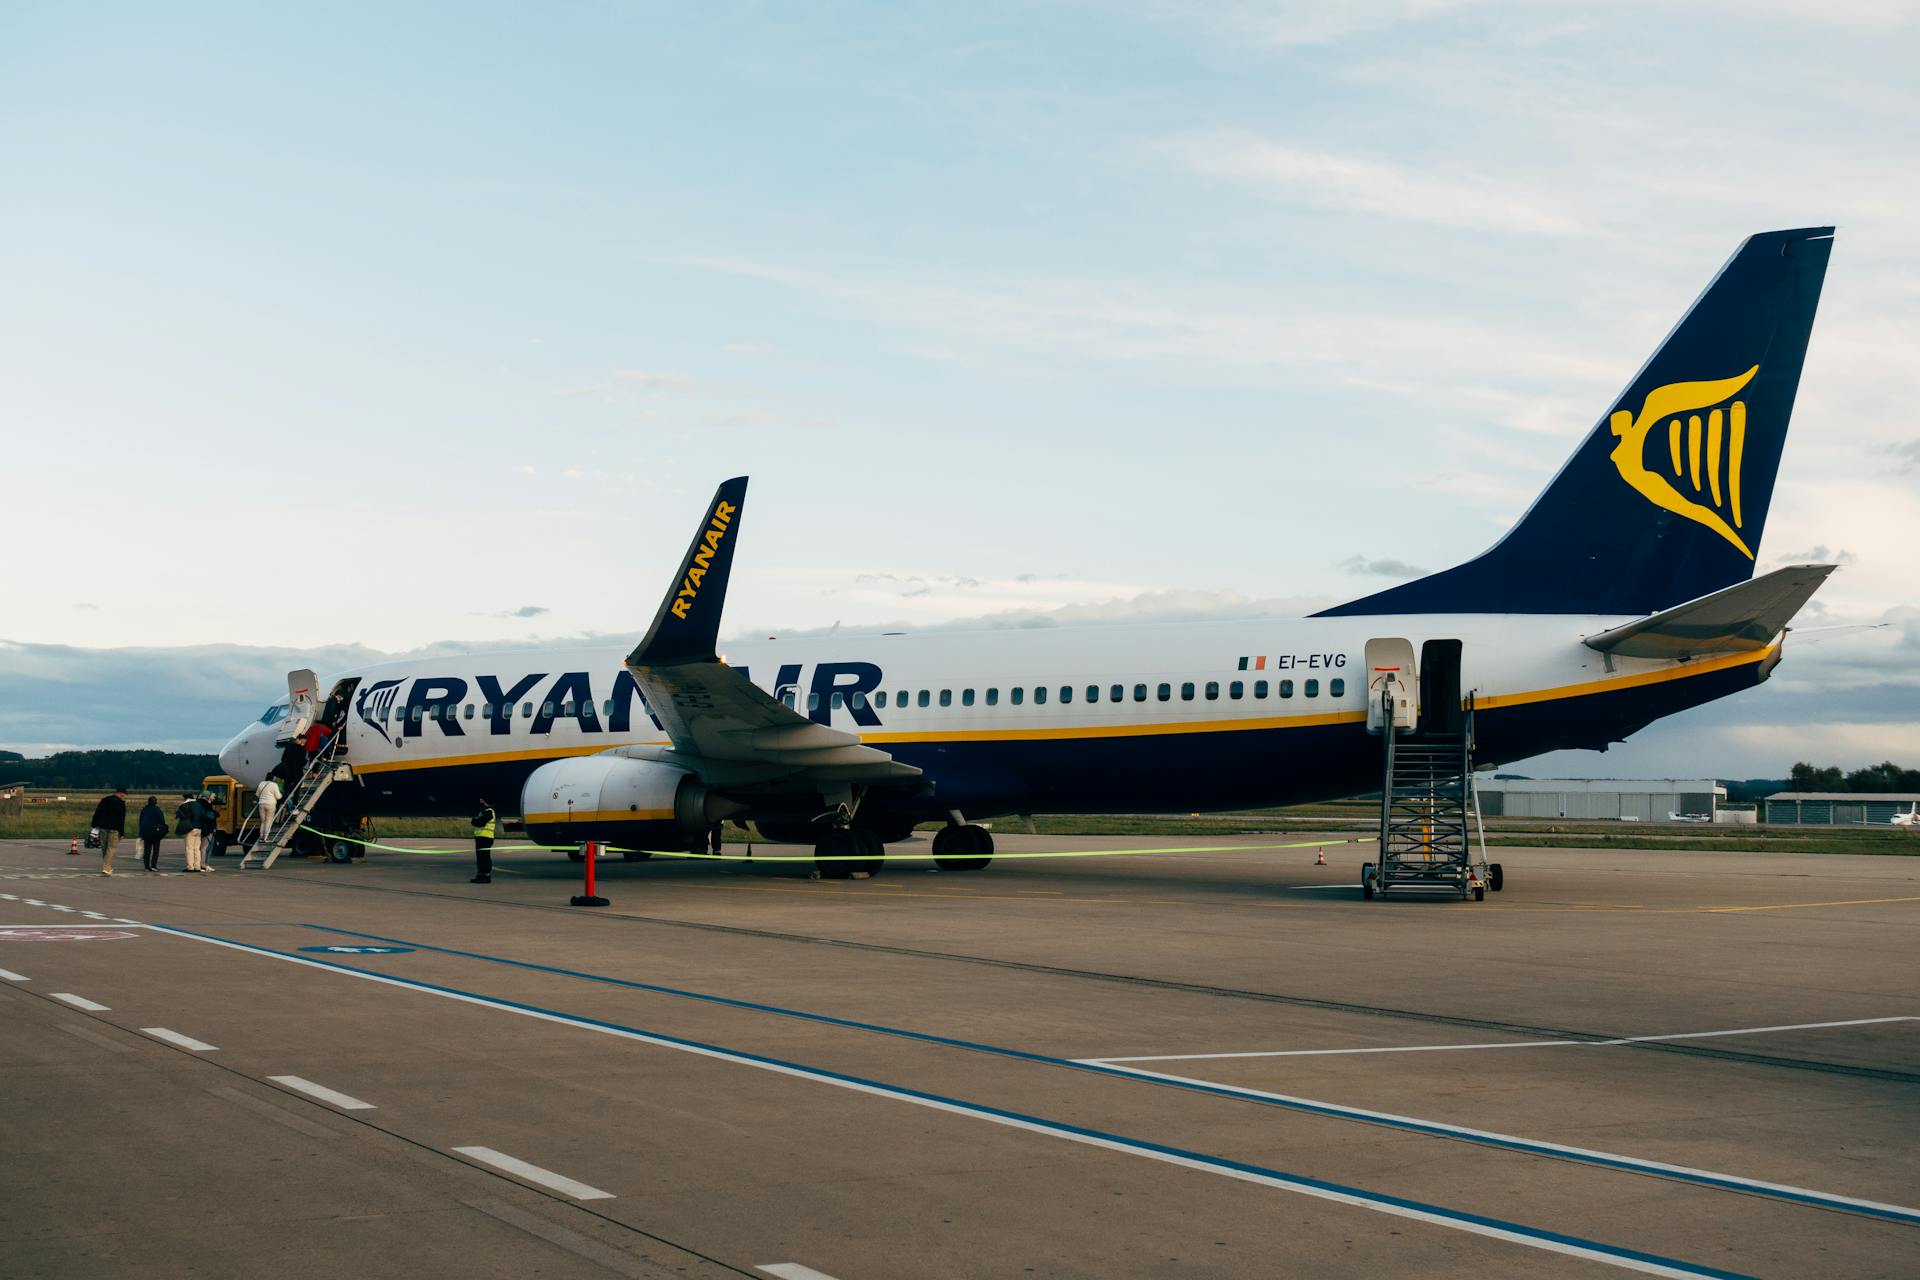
x,y
634,804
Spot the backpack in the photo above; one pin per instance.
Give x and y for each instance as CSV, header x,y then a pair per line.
x,y
183,818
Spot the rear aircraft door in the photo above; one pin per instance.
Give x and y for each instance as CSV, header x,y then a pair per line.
x,y
1390,675
303,703
1440,703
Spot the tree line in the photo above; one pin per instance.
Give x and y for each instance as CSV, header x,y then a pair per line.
x,y
99,770
1885,776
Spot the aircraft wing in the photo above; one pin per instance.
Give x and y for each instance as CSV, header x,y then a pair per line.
x,y
711,712
1738,619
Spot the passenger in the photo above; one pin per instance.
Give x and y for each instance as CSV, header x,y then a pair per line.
x,y
206,819
483,824
269,806
153,829
110,820
317,736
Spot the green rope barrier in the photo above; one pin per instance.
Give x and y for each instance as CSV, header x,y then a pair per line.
x,y
856,857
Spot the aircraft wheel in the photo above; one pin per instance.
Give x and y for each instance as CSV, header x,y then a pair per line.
x,y
832,855
967,848
869,843
307,844
1496,879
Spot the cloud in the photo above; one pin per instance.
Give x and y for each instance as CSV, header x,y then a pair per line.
x,y
1907,455
524,611
1385,567
654,380
747,349
1378,188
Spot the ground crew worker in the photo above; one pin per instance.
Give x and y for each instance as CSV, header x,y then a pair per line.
x,y
153,829
110,820
269,805
483,824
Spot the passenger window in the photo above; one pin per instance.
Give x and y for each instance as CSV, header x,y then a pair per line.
x,y
1286,688
1338,688
608,713
486,711
924,697
526,711
1017,695
1213,691
946,697
788,698
1259,688
858,700
1139,693
1186,691
813,701
993,697
1236,690
1039,695
1066,694
466,712
546,710
1116,692
1166,692
837,701
966,697
1313,688
880,699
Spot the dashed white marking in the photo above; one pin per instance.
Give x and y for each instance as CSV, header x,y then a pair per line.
x,y
332,1097
792,1271
1503,1044
58,907
11,976
534,1173
185,1042
78,1002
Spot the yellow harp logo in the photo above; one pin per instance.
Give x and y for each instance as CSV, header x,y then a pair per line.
x,y
1686,401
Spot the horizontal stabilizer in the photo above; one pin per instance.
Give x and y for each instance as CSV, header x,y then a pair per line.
x,y
1738,619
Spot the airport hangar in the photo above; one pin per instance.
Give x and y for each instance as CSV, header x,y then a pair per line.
x,y
1626,799
1838,808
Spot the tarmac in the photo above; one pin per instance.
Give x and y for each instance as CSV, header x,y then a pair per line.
x,y
1220,1063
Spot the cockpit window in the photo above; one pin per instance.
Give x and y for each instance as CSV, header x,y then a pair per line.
x,y
273,713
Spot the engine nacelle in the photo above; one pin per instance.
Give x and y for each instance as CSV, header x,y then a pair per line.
x,y
632,804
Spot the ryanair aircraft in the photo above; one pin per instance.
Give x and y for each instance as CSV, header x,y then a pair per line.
x,y
1624,594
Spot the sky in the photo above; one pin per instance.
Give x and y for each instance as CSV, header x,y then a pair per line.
x,y
356,330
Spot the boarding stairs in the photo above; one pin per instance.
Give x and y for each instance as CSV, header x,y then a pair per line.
x,y
1429,815
323,770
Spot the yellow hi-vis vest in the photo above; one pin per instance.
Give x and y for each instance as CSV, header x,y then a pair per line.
x,y
485,829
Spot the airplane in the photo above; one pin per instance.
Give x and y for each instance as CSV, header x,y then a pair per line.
x,y
1624,594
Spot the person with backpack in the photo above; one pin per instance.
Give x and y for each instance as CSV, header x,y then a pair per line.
x,y
153,829
110,820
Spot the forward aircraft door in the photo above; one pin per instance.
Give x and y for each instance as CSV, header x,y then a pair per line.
x,y
1440,708
303,702
1391,671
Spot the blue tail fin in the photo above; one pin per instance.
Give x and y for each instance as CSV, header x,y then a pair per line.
x,y
1665,501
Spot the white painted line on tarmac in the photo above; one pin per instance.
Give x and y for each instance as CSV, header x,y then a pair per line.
x,y
1503,1044
792,1271
57,907
332,1097
1434,1215
78,1002
11,976
534,1173
185,1042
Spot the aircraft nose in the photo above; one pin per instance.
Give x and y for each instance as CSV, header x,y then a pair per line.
x,y
249,754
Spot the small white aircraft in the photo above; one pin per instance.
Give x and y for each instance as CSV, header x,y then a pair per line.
x,y
1624,594
1911,818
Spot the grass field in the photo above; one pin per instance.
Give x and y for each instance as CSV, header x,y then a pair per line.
x,y
45,818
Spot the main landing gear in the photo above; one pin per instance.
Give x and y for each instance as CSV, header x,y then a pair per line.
x,y
962,848
844,850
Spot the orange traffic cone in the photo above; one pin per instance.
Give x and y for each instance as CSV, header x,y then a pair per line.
x,y
73,847
1320,858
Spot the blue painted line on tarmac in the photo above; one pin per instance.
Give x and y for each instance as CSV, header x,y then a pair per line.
x,y
1307,1106
1319,1188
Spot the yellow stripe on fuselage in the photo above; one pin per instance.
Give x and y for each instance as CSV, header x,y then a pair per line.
x,y
1163,729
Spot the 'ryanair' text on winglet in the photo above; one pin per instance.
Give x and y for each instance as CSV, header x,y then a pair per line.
x,y
687,626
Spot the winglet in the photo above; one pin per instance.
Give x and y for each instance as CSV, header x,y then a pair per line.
x,y
688,624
